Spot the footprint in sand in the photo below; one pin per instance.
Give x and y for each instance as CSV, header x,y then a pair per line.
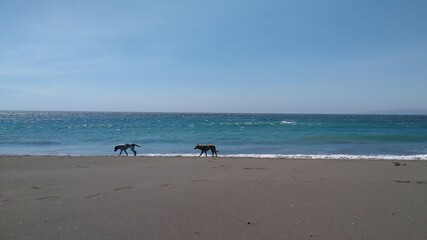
x,y
408,181
165,185
220,166
402,181
97,195
122,188
199,180
100,195
48,197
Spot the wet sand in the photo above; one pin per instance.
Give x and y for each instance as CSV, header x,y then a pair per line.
x,y
211,198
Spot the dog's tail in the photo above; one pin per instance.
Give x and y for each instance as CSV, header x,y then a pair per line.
x,y
137,145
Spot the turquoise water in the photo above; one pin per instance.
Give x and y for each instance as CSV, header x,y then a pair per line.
x,y
255,135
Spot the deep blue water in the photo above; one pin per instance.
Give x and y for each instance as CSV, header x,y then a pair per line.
x,y
271,135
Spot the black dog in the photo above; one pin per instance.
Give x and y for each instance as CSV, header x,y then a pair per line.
x,y
124,147
206,148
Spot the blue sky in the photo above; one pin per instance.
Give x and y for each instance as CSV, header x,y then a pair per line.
x,y
278,56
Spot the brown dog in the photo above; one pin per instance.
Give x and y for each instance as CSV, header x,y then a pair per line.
x,y
206,148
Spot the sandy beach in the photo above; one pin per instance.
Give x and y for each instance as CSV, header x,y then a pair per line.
x,y
211,198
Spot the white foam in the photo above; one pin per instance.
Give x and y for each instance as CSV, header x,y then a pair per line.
x,y
287,123
303,156
169,155
422,157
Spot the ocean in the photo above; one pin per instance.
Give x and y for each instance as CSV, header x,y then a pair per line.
x,y
235,135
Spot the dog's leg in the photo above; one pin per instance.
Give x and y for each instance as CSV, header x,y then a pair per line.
x,y
121,150
201,153
126,153
132,148
206,153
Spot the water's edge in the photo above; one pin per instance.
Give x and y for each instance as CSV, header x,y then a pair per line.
x,y
260,156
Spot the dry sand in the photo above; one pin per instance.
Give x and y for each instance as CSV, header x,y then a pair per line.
x,y
210,198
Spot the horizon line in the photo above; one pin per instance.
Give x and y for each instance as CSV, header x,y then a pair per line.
x,y
421,112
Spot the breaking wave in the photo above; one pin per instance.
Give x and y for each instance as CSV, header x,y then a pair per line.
x,y
302,156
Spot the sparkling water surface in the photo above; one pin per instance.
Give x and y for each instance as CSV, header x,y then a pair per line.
x,y
255,135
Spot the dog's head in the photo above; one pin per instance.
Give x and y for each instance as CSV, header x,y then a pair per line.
x,y
115,148
197,146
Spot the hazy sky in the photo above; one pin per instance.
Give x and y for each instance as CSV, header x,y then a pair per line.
x,y
285,56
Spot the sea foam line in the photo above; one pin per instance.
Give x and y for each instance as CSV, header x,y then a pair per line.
x,y
422,157
302,156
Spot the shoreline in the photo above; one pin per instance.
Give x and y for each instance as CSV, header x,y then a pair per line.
x,y
61,197
343,157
